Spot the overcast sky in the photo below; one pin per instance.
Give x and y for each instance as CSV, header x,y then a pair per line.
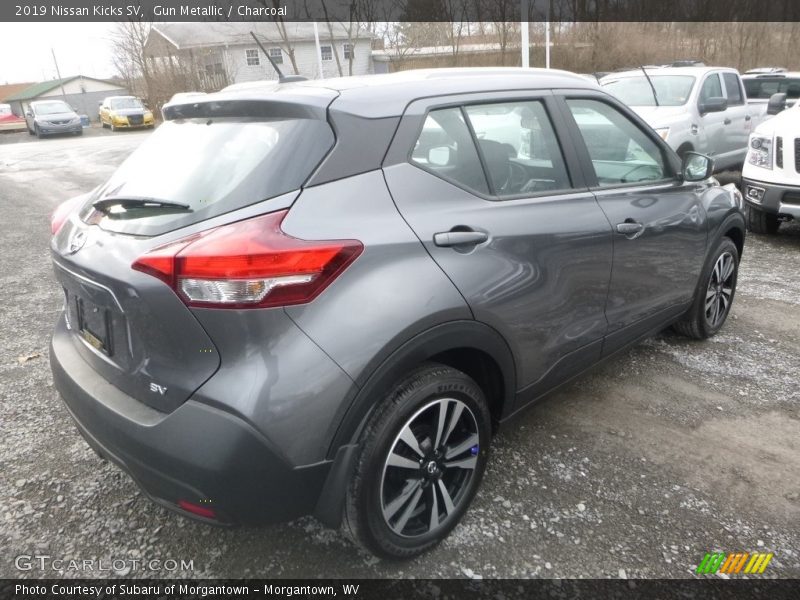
x,y
81,49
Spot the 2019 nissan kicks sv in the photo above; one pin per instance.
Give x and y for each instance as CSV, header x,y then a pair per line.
x,y
318,297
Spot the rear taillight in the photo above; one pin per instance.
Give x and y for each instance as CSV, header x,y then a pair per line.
x,y
63,211
249,264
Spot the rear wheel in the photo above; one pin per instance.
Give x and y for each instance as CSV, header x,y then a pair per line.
x,y
759,221
422,458
683,150
714,295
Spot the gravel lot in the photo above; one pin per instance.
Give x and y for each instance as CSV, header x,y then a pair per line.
x,y
635,470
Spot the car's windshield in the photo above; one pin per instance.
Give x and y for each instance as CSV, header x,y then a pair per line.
x,y
118,103
672,90
51,108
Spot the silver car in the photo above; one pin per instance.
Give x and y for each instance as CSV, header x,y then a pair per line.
x,y
50,117
323,297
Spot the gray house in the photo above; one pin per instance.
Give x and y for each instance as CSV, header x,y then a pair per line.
x,y
225,53
81,92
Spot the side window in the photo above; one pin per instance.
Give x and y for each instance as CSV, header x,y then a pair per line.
x,y
519,148
445,148
251,58
620,152
733,89
712,88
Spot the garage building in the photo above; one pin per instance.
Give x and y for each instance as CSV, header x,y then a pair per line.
x,y
81,92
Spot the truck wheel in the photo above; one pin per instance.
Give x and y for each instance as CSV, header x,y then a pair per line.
x,y
423,453
714,294
759,221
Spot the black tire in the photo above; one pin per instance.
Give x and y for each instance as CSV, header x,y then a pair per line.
x,y
37,132
759,221
414,406
700,322
30,131
113,127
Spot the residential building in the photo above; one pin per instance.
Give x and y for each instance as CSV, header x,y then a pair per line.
x,y
220,54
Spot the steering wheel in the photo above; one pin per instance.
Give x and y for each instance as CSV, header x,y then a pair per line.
x,y
516,178
625,176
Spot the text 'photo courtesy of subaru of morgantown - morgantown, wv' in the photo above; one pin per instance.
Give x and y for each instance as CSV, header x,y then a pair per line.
x,y
343,286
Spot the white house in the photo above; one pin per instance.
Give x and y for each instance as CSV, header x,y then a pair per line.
x,y
225,53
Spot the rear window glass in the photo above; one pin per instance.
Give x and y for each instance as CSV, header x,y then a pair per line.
x,y
213,166
764,87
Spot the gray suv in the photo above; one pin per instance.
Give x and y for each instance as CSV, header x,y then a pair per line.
x,y
323,297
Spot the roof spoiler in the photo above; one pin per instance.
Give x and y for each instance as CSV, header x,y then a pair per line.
x,y
281,77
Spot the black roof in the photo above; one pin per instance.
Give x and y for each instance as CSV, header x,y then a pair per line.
x,y
377,96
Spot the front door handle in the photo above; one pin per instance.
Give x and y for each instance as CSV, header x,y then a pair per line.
x,y
629,228
446,239
747,118
727,121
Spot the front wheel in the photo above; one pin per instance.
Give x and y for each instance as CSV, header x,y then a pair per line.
x,y
37,131
714,295
759,221
422,458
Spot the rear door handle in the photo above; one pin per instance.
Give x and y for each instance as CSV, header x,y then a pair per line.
x,y
629,227
446,239
727,121
747,118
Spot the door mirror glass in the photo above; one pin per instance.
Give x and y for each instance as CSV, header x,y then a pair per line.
x,y
715,104
776,104
439,156
696,167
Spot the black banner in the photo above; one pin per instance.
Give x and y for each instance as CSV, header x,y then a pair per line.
x,y
369,589
398,10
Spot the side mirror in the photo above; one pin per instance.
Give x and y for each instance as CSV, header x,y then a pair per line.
x,y
715,104
439,156
28,114
696,167
776,104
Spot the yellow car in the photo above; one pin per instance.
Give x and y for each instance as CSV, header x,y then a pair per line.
x,y
125,112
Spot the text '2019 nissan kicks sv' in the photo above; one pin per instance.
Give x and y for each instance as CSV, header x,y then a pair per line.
x,y
322,297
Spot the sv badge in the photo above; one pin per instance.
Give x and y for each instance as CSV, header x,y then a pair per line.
x,y
160,389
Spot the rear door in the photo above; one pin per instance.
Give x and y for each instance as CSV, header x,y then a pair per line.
x,y
658,222
484,182
737,117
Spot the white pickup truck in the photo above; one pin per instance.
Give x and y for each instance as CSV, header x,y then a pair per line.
x,y
771,172
700,109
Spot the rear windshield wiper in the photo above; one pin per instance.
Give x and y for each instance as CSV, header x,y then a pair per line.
x,y
105,204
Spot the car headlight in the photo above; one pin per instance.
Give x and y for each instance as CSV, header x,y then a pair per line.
x,y
662,132
148,115
759,152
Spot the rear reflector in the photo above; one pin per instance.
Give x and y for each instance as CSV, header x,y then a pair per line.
x,y
196,509
249,264
63,211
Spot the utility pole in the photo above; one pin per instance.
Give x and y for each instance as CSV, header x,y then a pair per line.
x,y
58,74
547,37
319,50
523,27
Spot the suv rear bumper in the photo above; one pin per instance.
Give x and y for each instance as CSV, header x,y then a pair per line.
x,y
196,453
773,197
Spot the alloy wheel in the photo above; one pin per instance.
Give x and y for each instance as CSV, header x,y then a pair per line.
x,y
429,468
720,289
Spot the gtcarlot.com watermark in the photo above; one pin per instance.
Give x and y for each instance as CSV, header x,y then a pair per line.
x,y
119,566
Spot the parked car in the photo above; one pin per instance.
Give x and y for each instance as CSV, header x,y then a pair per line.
x,y
771,173
9,121
265,320
125,112
695,109
50,117
761,87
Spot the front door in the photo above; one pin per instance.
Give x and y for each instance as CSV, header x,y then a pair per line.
x,y
658,221
484,183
